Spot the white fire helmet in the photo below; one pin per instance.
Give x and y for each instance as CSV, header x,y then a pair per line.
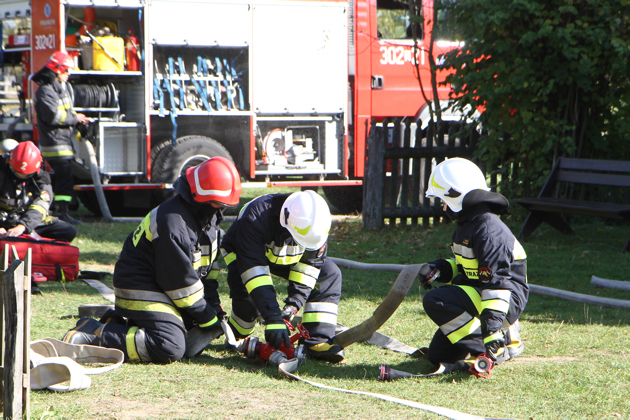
x,y
7,145
452,179
307,217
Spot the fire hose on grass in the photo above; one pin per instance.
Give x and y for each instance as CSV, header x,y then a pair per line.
x,y
537,290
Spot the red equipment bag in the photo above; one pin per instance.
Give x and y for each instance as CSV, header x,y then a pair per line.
x,y
55,260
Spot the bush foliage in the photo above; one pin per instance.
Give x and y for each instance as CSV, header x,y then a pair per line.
x,y
552,76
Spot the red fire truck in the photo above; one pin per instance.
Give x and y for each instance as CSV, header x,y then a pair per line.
x,y
285,89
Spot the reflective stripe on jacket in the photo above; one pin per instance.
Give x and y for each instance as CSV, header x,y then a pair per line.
x,y
55,120
164,263
257,243
490,259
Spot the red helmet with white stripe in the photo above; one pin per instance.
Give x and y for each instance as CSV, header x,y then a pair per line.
x,y
59,62
215,181
25,159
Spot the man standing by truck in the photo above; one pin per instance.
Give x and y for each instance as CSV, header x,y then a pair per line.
x,y
56,120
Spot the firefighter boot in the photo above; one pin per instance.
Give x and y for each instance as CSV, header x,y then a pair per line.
x,y
332,353
513,339
64,213
34,289
110,317
87,331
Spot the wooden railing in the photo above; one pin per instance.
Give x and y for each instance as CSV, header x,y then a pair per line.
x,y
400,157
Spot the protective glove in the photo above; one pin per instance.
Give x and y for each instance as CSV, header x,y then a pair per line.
x,y
492,348
430,277
276,332
288,311
214,327
220,312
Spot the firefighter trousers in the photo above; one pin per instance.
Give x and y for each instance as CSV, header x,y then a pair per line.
x,y
56,229
457,317
319,306
146,341
63,183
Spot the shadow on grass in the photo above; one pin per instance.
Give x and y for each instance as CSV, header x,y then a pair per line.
x,y
322,370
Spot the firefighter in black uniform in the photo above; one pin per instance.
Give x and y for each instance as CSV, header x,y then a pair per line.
x,y
478,310
56,120
284,235
25,196
165,280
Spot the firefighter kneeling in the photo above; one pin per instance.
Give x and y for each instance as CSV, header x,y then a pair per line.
x,y
165,280
284,235
478,310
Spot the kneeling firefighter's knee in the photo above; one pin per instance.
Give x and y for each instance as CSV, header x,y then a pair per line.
x,y
432,301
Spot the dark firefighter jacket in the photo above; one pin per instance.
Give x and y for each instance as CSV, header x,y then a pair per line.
x,y
164,272
55,116
489,258
23,202
260,246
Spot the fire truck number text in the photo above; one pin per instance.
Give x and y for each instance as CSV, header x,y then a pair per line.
x,y
399,55
45,42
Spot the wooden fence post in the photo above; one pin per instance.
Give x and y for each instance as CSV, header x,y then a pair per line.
x,y
15,311
373,180
13,279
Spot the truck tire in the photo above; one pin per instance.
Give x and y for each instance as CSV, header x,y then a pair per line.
x,y
173,159
346,199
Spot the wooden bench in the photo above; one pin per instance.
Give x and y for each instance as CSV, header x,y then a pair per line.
x,y
547,208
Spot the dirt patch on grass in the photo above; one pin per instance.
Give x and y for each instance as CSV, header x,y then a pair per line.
x,y
194,404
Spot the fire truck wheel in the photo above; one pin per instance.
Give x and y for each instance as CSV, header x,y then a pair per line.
x,y
346,200
173,159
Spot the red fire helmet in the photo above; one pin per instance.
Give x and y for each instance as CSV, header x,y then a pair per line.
x,y
215,181
25,159
59,62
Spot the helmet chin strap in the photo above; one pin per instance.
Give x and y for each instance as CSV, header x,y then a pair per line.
x,y
286,216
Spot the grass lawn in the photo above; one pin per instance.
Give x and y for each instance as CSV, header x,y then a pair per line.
x,y
576,362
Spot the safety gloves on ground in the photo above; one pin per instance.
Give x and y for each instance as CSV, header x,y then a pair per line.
x,y
276,332
288,311
495,346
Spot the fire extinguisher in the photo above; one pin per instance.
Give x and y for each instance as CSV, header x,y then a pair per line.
x,y
132,53
26,71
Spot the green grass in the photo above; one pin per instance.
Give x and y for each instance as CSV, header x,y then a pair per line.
x,y
576,362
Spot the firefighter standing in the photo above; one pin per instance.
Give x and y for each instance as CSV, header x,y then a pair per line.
x,y
165,280
284,235
478,311
56,120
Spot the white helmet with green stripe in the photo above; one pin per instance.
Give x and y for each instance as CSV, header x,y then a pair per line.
x,y
452,179
306,216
